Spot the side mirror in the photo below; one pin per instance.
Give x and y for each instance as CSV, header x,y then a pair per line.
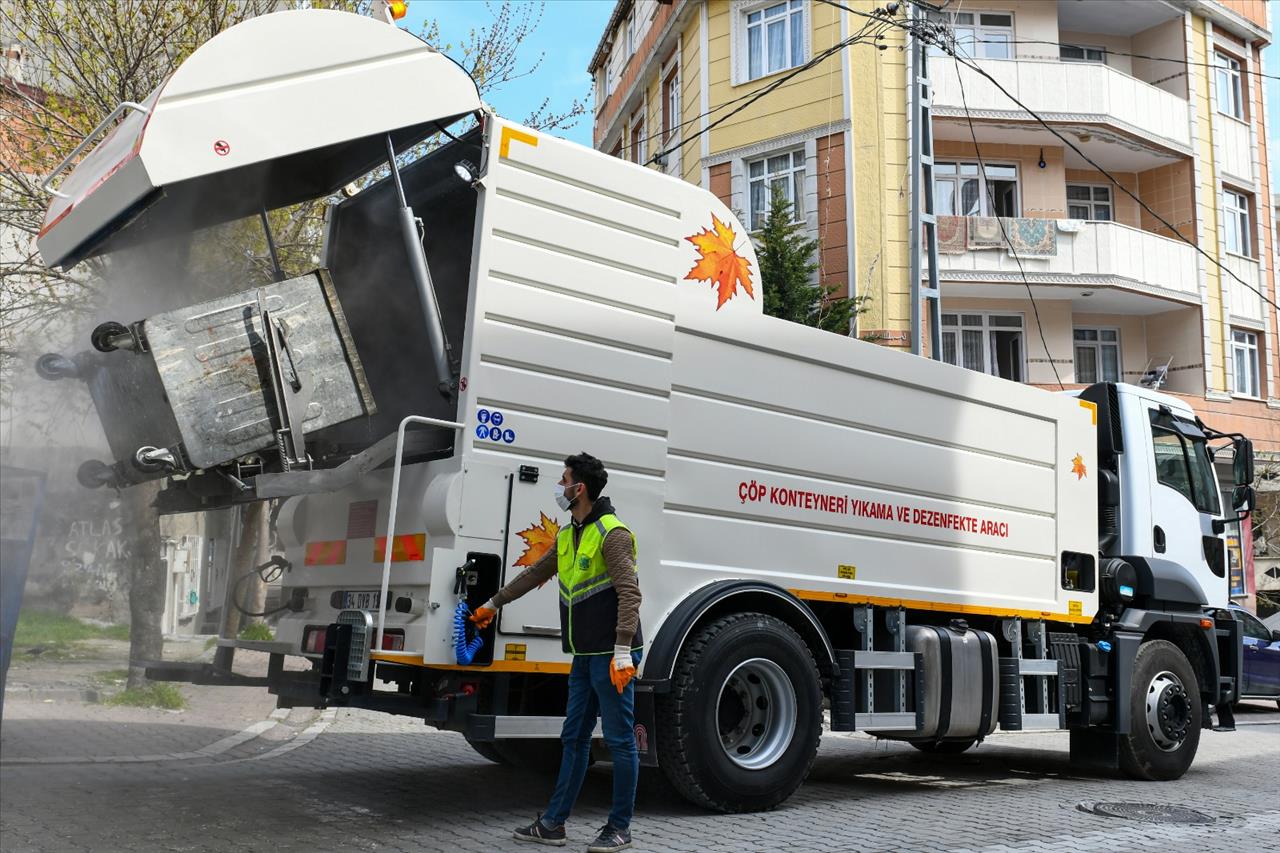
x,y
1242,465
1242,498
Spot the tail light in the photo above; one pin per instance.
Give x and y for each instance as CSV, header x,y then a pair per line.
x,y
393,640
313,639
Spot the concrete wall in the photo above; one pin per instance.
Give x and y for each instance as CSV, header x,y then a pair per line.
x,y
1164,40
1179,333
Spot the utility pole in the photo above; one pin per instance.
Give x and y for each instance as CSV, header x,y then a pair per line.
x,y
926,300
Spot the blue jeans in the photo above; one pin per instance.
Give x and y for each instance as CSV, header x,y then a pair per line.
x,y
592,694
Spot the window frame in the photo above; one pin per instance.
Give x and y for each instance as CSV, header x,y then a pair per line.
x,y
1097,346
1226,65
952,20
799,212
1249,348
1242,216
954,329
1084,49
670,94
742,10
1189,445
637,144
985,201
1092,202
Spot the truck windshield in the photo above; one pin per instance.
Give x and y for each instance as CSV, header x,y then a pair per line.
x,y
1182,460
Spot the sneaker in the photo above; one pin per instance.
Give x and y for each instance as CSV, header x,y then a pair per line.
x,y
538,833
610,839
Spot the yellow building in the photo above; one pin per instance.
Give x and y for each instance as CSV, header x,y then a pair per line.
x,y
1076,282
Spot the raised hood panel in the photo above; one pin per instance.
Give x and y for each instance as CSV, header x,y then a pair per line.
x,y
278,109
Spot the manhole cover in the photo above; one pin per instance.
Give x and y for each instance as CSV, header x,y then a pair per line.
x,y
1147,812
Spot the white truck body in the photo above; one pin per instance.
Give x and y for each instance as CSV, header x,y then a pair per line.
x,y
828,488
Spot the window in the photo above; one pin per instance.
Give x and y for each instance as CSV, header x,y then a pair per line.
x,y
958,190
1227,80
671,104
1182,460
785,172
989,343
1253,628
1235,222
979,35
1097,355
637,139
775,38
1082,53
631,31
1086,201
1244,356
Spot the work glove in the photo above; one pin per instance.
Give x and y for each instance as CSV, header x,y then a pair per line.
x,y
484,615
623,668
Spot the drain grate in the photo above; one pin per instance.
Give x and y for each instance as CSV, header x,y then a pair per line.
x,y
1147,812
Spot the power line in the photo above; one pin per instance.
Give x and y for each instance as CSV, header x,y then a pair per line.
x,y
982,167
934,33
857,38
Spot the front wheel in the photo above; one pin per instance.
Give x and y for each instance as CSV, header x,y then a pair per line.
x,y
1165,710
740,728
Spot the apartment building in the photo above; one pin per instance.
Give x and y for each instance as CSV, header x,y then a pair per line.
x,y
1075,282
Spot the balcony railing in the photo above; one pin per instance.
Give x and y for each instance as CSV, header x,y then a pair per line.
x,y
1064,91
1088,255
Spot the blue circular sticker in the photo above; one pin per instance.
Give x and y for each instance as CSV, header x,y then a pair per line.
x,y
497,418
482,431
483,416
508,435
495,434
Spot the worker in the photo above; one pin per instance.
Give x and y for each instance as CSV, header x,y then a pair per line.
x,y
595,558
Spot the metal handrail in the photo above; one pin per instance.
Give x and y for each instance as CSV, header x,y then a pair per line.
x,y
391,524
121,108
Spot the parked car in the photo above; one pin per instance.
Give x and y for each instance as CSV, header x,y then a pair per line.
x,y
1261,658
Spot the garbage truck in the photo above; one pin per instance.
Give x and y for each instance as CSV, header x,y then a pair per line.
x,y
831,533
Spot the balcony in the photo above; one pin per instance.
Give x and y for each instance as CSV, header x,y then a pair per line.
x,y
1079,93
1126,269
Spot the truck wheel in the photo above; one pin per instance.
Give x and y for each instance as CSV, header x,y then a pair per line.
x,y
1165,707
740,728
487,749
946,747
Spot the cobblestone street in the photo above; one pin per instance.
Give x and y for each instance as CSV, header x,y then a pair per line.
x,y
78,777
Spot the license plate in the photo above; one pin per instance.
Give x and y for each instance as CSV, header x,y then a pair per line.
x,y
361,599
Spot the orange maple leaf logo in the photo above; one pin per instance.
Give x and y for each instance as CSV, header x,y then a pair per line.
x,y
1077,467
719,263
538,540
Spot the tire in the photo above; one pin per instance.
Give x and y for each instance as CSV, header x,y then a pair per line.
x,y
1166,714
946,747
487,749
739,729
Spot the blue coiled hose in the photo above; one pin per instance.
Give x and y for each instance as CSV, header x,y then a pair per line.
x,y
463,650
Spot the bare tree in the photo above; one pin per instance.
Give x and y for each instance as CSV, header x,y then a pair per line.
x,y
80,61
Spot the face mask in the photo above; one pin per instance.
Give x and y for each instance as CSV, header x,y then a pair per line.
x,y
562,500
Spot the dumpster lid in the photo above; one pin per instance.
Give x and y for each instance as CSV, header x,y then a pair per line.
x,y
276,110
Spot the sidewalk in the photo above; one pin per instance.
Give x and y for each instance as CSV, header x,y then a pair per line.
x,y
54,713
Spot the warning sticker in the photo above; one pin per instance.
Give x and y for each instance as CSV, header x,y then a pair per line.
x,y
1075,608
514,651
847,572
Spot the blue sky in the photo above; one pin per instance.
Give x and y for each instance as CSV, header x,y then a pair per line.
x,y
565,40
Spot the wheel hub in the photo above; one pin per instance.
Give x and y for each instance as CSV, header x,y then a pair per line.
x,y
756,713
1168,711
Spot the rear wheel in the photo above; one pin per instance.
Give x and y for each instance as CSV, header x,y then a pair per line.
x,y
946,747
740,728
1165,710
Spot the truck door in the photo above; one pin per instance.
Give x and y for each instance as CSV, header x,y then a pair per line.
x,y
532,524
1184,501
